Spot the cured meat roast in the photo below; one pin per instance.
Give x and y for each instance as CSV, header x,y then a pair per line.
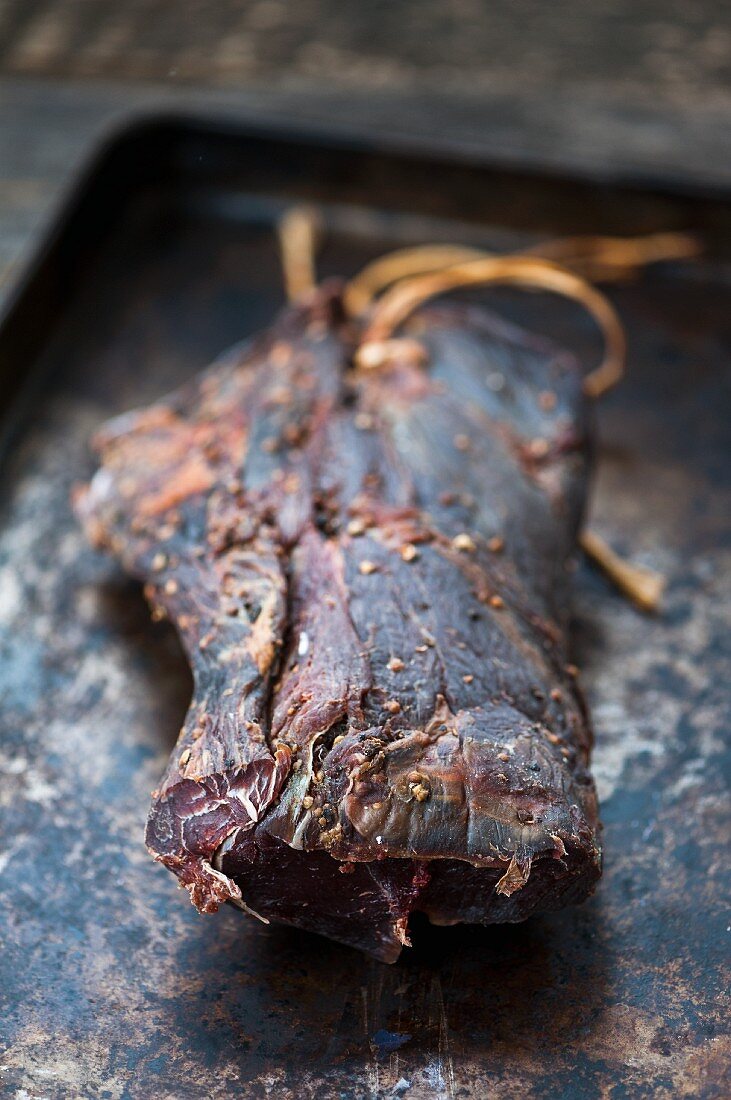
x,y
368,564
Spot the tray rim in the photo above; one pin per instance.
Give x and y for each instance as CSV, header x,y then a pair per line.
x,y
117,139
141,123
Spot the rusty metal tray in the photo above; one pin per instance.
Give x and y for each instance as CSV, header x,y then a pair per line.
x,y
110,984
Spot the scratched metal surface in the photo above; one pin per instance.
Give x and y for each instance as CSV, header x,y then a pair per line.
x,y
110,984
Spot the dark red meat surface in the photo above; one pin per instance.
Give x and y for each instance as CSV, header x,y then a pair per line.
x,y
370,573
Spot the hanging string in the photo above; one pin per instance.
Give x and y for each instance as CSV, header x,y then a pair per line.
x,y
298,231
596,258
641,585
397,304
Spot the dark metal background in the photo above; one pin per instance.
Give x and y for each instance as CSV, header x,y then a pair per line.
x,y
110,984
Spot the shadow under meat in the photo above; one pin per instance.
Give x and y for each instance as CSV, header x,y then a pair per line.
x,y
152,648
461,995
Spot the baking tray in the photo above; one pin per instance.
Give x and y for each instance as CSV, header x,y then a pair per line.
x,y
110,984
